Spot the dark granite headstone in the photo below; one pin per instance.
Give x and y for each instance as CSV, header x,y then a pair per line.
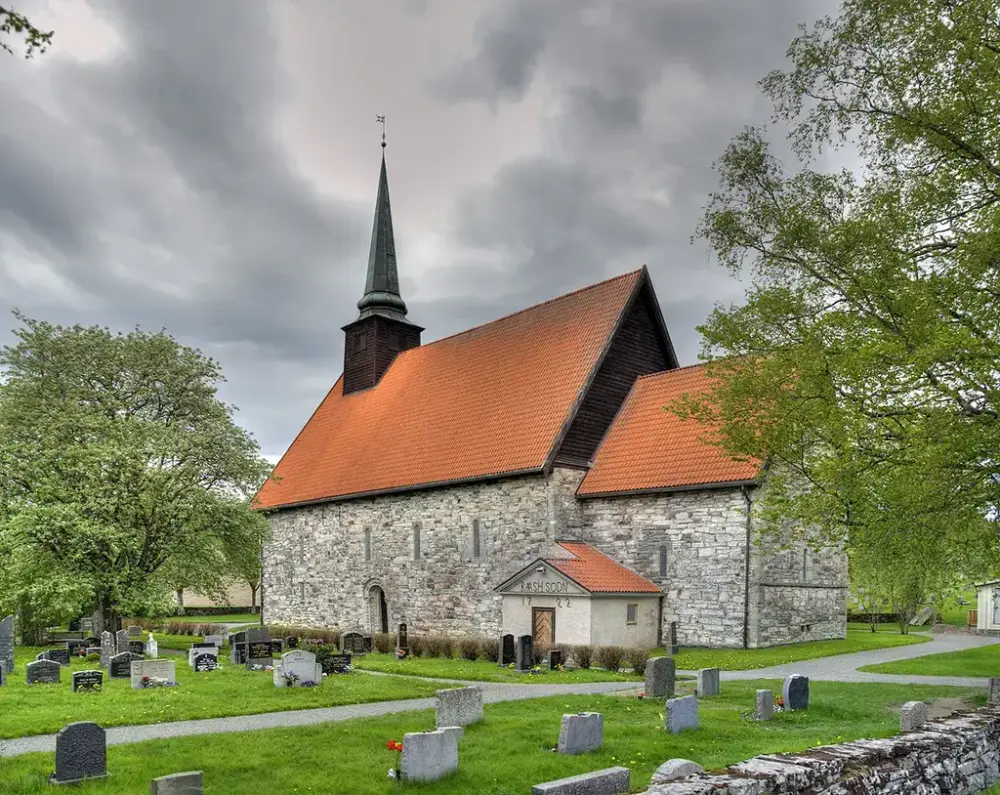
x,y
525,660
7,642
277,647
43,672
87,680
77,647
238,648
507,651
402,640
120,666
74,625
352,643
205,662
672,648
137,647
81,753
796,692
337,664
291,642
259,655
555,658
366,644
60,656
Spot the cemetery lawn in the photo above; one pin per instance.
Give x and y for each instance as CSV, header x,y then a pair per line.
x,y
231,618
231,690
482,671
981,661
505,754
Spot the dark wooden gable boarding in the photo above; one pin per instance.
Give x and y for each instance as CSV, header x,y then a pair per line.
x,y
370,345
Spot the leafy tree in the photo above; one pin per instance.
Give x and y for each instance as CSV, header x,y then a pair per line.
x,y
119,469
13,22
864,364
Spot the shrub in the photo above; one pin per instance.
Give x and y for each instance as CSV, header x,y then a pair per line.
x,y
93,657
418,645
582,655
469,648
383,642
637,659
328,637
609,657
438,646
447,647
489,649
538,652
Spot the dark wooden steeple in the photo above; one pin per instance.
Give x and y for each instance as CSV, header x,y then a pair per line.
x,y
381,329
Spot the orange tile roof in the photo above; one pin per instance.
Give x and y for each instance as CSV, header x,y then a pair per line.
x,y
598,573
649,447
489,401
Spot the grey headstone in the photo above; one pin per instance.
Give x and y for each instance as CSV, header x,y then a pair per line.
x,y
708,682
177,784
581,733
524,654
7,643
43,672
661,677
673,649
912,716
87,680
610,781
259,635
107,649
300,666
154,669
994,697
133,631
795,692
765,705
121,641
460,706
673,769
680,714
81,753
428,756
60,656
3,673
216,640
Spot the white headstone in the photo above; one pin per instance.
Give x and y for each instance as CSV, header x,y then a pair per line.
x,y
154,669
297,668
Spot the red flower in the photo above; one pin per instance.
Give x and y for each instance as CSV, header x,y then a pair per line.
x,y
393,745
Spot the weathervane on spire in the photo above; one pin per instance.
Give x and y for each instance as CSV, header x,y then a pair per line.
x,y
381,120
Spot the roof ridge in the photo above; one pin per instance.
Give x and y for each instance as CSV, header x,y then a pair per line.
x,y
529,308
661,373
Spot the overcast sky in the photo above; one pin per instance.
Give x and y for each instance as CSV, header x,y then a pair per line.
x,y
210,166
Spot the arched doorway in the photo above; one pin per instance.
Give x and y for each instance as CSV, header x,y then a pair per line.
x,y
378,609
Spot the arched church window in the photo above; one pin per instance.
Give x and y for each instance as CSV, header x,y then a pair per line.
x,y
476,539
664,557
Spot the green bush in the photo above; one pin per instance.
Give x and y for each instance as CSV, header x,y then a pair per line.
x,y
383,642
583,655
489,649
469,648
94,657
636,659
418,646
609,657
328,637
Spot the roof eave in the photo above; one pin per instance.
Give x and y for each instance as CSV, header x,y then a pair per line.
x,y
722,484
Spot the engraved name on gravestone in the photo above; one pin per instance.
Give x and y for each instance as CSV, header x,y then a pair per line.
x,y
259,655
205,662
81,753
120,666
107,648
87,680
7,643
193,653
506,649
42,672
337,664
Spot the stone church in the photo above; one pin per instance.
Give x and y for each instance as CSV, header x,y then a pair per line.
x,y
524,476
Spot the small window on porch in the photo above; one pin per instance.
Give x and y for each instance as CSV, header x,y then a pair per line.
x,y
631,613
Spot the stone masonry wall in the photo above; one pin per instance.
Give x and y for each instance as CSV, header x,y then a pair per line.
x,y
955,756
315,572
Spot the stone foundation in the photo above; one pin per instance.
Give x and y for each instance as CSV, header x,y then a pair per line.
x,y
956,756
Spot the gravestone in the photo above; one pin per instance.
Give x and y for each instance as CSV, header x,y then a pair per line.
x,y
107,648
581,733
259,655
7,643
238,648
708,682
205,662
765,705
121,641
195,652
912,716
673,649
366,643
215,640
3,673
337,664
76,647
795,692
93,650
137,647
259,635
152,647
352,642
134,631
525,659
291,642
428,756
43,672
81,753
609,781
178,784
120,666
153,669
87,680
673,769
60,656
459,706
297,669
555,659
87,625
507,655
74,625
402,641
680,714
277,647
994,695
661,677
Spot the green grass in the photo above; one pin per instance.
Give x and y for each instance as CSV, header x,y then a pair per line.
x,y
481,671
231,690
176,642
981,661
505,755
231,618
951,612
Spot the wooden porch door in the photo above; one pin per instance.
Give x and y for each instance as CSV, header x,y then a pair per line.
x,y
543,626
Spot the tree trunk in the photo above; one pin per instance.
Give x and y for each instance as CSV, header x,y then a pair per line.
x,y
109,613
253,595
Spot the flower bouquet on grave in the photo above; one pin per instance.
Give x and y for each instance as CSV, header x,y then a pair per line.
x,y
779,704
155,681
290,679
394,745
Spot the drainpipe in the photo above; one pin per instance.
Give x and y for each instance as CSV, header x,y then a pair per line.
x,y
659,623
746,573
261,598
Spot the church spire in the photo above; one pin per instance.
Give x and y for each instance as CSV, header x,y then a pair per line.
x,y
382,285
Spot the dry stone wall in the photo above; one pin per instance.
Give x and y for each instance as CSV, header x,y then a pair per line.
x,y
954,756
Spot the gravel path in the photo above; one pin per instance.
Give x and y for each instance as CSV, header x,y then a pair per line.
x,y
841,668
